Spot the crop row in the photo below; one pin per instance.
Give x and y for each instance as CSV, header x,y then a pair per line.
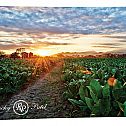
x,y
96,86
14,73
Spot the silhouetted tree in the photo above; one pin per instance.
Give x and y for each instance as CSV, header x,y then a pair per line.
x,y
24,55
14,55
30,55
20,51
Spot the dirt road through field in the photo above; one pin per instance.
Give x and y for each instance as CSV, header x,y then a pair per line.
x,y
44,98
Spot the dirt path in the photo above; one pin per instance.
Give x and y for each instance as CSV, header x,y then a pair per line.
x,y
46,91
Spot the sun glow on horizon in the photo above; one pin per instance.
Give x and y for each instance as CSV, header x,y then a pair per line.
x,y
44,52
83,43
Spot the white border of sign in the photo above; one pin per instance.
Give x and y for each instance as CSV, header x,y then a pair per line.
x,y
101,121
64,3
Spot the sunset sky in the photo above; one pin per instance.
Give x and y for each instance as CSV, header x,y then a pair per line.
x,y
47,31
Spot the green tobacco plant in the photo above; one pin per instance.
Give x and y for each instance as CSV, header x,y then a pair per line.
x,y
99,100
95,98
102,87
72,88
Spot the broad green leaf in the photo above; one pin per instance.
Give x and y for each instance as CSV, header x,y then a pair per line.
x,y
113,71
77,102
89,103
121,106
94,97
83,108
106,91
99,73
96,109
82,102
96,87
105,106
82,92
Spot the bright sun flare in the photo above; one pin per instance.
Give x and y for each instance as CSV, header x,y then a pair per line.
x,y
44,52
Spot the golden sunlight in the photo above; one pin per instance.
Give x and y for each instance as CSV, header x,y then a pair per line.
x,y
44,52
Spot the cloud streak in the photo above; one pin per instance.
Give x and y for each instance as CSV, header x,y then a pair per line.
x,y
29,45
64,20
106,47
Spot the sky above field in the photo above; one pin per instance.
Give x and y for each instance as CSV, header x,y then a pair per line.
x,y
47,31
